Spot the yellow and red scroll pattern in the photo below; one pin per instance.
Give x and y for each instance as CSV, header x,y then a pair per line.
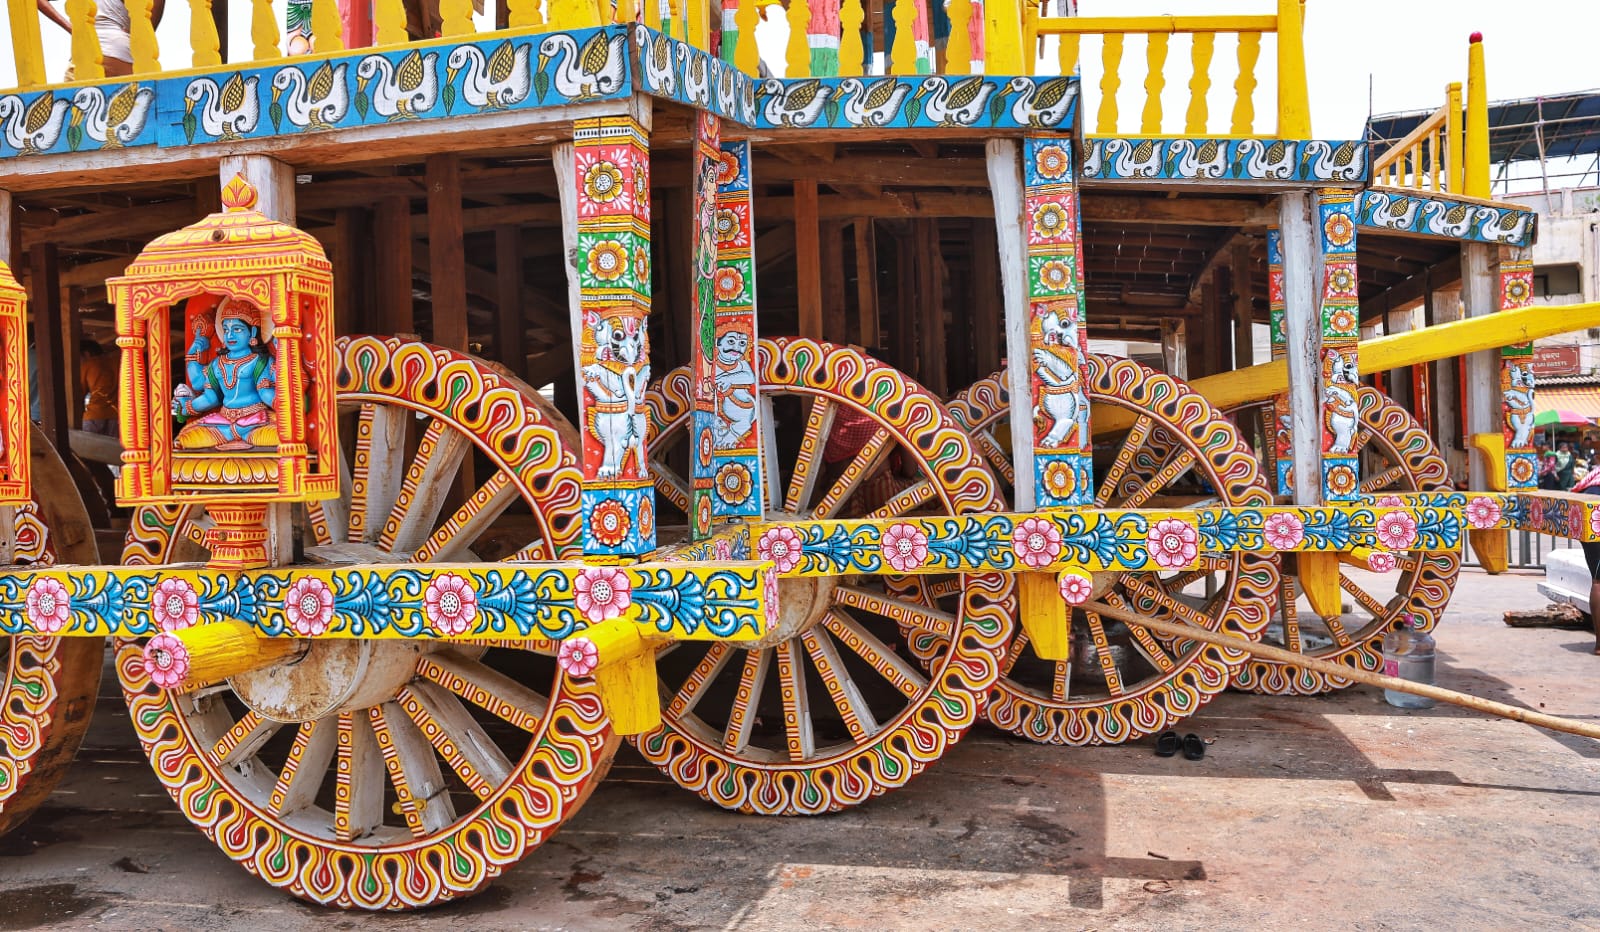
x,y
28,687
948,703
1242,607
1426,578
15,430
1517,382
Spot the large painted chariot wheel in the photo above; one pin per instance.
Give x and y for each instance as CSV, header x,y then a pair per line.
x,y
1396,455
1123,681
833,709
47,685
390,774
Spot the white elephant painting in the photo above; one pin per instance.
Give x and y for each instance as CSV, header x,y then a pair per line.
x,y
1519,406
1063,408
614,384
1339,401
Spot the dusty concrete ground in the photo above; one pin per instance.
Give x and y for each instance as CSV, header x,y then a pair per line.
x,y
1334,812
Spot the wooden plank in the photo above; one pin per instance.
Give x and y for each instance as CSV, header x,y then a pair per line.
x,y
349,236
935,365
868,329
1412,288
10,240
447,260
808,258
675,249
392,248
835,326
1303,333
44,298
1445,409
1198,210
1175,348
1005,182
510,334
1196,334
988,318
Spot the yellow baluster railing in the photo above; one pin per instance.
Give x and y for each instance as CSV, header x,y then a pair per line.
x,y
1429,157
745,55
1294,104
86,64
520,14
1454,147
26,48
203,41
851,52
797,54
329,29
1110,82
958,50
142,37
264,34
455,18
1244,87
903,56
1154,82
1067,54
1195,119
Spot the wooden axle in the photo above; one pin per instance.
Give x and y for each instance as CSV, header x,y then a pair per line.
x,y
1442,341
210,653
1268,652
623,663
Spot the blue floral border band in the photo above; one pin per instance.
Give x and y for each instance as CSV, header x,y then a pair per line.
x,y
728,600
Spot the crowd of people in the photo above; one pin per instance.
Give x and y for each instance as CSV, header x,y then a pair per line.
x,y
1561,468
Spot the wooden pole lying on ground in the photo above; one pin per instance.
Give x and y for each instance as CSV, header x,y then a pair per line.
x,y
1177,629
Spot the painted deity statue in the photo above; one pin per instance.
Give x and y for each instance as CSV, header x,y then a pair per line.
x,y
227,401
736,389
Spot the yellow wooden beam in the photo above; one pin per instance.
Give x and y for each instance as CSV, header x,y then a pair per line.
x,y
1477,144
1045,615
26,48
1104,25
623,663
1294,104
1319,580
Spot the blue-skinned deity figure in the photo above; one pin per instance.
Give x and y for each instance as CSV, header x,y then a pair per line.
x,y
227,402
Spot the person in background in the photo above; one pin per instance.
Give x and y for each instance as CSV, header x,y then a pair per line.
x,y
99,371
1547,472
113,25
1566,464
1590,485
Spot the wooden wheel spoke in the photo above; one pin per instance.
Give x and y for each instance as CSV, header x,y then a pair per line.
x,y
864,644
358,788
1146,642
1291,617
1014,652
999,458
488,689
913,614
305,766
1132,444
244,739
796,705
922,491
1406,564
420,791
704,672
375,480
1363,437
1383,479
1061,681
819,423
1165,601
466,524
670,485
457,736
741,717
1168,474
1364,598
857,470
842,689
943,587
1102,646
428,480
330,518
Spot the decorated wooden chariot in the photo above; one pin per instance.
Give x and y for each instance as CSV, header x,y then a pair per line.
x,y
383,609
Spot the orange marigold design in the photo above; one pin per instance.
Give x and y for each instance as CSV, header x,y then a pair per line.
x,y
610,523
1341,480
608,260
728,283
1049,220
1051,162
1055,275
1339,230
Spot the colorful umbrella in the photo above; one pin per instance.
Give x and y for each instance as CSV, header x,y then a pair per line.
x,y
1561,417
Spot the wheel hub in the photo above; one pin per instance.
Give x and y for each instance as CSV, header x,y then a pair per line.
x,y
334,675
802,603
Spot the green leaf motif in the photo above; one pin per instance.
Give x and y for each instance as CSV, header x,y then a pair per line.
x,y
276,113
449,97
361,104
74,136
997,107
541,85
831,108
913,110
189,126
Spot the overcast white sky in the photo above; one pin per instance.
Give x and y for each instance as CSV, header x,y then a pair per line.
x,y
1407,50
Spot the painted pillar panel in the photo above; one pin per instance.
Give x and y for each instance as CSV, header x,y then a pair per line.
x,y
1341,332
1516,381
1282,453
707,164
1063,464
737,439
611,159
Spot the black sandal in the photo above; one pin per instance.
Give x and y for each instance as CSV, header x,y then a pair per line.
x,y
1167,744
1193,747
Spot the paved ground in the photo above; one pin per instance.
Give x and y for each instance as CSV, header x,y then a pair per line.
x,y
1323,813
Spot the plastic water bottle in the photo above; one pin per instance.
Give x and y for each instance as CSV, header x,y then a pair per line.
x,y
1408,654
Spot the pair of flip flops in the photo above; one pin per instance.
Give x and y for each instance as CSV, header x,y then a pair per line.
x,y
1168,744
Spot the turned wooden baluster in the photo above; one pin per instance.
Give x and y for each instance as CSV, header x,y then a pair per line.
x,y
1194,121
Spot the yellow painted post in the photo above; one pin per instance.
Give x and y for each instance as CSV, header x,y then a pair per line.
x,y
1244,87
1067,54
1194,121
1477,144
797,54
1294,107
142,37
1002,38
203,41
699,24
1452,137
264,31
86,64
903,57
625,672
745,55
218,650
958,49
26,49
626,12
1045,616
1155,80
851,53
329,30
